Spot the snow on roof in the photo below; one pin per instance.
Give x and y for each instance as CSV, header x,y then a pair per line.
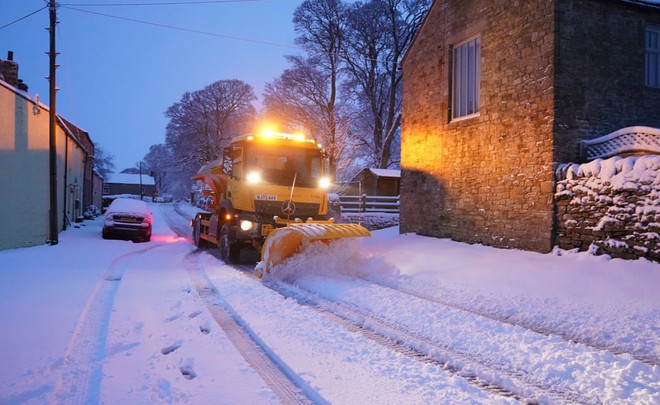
x,y
127,178
385,172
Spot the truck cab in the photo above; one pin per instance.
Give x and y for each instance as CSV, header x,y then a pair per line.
x,y
262,182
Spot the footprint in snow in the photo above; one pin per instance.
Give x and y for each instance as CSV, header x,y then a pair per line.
x,y
174,317
169,349
187,370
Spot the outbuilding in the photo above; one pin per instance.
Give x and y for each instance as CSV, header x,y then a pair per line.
x,y
377,182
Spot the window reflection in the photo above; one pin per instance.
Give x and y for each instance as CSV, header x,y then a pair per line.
x,y
280,165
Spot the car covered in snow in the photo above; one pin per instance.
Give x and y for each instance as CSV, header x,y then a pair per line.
x,y
129,219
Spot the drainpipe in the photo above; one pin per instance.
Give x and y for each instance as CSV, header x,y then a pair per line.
x,y
66,173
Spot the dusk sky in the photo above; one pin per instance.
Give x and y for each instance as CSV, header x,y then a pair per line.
x,y
117,77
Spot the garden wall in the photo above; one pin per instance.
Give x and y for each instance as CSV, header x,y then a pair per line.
x,y
610,207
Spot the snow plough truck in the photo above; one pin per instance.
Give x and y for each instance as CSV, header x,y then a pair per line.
x,y
268,192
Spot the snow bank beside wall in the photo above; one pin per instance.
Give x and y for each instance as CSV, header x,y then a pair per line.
x,y
610,207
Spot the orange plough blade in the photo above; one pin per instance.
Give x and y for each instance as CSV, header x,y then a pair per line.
x,y
283,243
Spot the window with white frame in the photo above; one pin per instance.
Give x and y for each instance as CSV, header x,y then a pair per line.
x,y
466,66
653,57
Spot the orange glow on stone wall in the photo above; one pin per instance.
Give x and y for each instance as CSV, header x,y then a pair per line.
x,y
420,150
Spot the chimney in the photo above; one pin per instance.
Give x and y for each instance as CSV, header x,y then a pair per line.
x,y
22,86
9,70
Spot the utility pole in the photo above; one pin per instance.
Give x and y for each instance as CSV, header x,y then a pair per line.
x,y
141,188
54,237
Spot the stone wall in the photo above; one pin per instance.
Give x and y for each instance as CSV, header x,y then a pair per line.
x,y
487,179
600,67
610,207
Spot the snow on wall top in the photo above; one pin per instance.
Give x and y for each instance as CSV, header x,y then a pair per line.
x,y
616,170
127,178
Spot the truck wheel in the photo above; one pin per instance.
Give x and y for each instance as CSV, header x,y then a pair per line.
x,y
197,230
230,252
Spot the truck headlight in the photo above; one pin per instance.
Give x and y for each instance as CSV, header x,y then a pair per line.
x,y
254,177
324,182
247,225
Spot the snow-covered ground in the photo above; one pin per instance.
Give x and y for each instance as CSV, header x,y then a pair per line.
x,y
388,319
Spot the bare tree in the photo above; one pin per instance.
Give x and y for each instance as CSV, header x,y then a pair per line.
x,y
103,161
356,48
378,34
156,163
157,159
307,93
299,98
203,122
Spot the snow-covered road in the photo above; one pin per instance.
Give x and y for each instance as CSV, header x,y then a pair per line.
x,y
392,319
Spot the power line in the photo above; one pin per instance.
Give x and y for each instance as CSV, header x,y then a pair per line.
x,y
181,28
24,17
172,3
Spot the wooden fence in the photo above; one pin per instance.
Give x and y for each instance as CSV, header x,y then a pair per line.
x,y
369,204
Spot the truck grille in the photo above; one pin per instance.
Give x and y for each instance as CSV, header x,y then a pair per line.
x,y
303,210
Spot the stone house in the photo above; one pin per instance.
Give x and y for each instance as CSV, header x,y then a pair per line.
x,y
127,183
497,94
25,165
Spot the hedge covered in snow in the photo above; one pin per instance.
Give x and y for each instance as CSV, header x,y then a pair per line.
x,y
610,206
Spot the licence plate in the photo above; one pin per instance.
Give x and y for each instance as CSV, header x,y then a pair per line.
x,y
265,197
128,219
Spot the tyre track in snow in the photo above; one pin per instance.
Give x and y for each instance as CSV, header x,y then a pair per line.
x,y
649,360
284,382
500,379
79,381
361,325
290,388
80,376
404,343
173,215
493,378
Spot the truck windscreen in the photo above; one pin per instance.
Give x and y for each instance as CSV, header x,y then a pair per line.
x,y
278,165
